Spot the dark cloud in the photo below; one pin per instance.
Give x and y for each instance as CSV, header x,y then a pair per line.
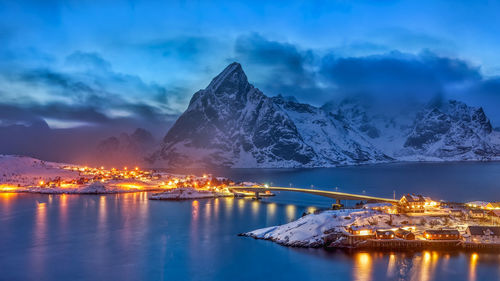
x,y
396,75
279,68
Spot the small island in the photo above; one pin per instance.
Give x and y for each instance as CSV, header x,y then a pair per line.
x,y
414,223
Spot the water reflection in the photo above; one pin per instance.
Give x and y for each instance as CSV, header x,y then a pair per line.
x,y
255,209
362,267
391,267
39,248
290,212
472,266
6,200
63,211
101,223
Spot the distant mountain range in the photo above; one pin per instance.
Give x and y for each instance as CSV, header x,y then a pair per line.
x,y
231,123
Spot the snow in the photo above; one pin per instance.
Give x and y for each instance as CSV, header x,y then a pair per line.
x,y
24,171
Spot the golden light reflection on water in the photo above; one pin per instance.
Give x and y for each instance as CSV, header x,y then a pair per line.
x,y
255,208
63,210
271,209
229,206
208,211
362,267
290,212
216,207
39,238
241,205
102,213
472,266
6,200
195,205
391,266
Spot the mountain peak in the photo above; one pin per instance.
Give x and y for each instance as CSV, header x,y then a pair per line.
x,y
231,78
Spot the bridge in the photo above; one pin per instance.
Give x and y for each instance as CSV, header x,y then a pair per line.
x,y
330,194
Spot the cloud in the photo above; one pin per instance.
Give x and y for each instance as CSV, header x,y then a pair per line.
x,y
397,75
85,91
279,68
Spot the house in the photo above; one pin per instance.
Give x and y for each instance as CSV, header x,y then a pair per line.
x,y
477,214
405,234
456,212
384,234
412,203
495,216
441,234
483,234
360,230
429,203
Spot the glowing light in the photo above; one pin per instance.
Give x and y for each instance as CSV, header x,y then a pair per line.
x,y
363,268
41,183
364,232
6,187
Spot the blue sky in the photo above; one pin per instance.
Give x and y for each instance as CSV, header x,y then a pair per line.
x,y
110,63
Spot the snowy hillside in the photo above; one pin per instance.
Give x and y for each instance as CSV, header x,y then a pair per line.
x,y
231,123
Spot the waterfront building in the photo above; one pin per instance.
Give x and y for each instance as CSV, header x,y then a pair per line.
x,y
412,203
441,234
404,234
361,230
495,216
483,234
384,234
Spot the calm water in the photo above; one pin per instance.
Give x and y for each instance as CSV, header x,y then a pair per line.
x,y
127,237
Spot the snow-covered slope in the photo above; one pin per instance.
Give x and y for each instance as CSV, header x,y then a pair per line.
x,y
232,123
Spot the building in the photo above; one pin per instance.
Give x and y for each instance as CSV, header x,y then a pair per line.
x,y
405,234
412,203
456,212
494,216
360,230
477,214
384,234
483,234
441,234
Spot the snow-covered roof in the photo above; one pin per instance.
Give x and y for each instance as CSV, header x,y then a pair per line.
x,y
484,230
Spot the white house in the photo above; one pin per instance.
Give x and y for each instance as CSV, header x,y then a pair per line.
x,y
483,234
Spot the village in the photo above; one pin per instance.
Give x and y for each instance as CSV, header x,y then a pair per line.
x,y
25,174
418,222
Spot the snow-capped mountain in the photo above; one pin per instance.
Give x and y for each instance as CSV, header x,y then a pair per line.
x,y
231,123
453,131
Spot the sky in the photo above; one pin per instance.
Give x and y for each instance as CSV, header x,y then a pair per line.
x,y
118,65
